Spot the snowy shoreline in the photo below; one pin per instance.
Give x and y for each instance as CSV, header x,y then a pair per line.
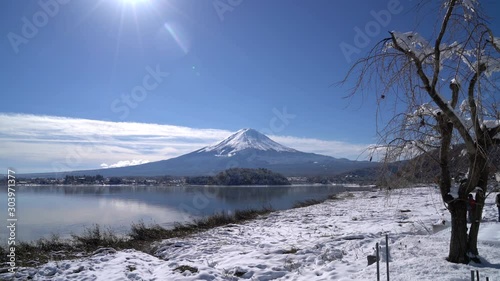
x,y
328,241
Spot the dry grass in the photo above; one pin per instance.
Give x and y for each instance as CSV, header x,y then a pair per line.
x,y
140,238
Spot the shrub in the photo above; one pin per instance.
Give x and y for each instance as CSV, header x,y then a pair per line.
x,y
93,237
139,231
306,203
183,268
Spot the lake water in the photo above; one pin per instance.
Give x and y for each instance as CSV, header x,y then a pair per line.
x,y
43,210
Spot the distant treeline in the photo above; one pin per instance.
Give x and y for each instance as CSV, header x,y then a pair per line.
x,y
83,179
98,180
241,176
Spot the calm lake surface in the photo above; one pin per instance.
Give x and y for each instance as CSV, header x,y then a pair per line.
x,y
43,210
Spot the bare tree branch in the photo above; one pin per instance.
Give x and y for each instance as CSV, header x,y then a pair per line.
x,y
437,45
469,141
472,101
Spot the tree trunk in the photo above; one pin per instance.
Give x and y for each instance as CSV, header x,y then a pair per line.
x,y
458,241
457,206
480,173
474,228
446,129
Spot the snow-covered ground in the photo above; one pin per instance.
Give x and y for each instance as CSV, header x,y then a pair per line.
x,y
329,241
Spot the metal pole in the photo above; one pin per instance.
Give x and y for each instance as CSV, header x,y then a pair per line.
x,y
472,275
378,265
477,275
387,254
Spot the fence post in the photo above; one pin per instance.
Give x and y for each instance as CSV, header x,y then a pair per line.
x,y
387,254
378,265
477,275
472,275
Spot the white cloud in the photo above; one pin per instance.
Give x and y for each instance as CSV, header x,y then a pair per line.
x,y
336,149
125,163
35,143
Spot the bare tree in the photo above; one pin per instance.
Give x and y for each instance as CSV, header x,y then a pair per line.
x,y
443,92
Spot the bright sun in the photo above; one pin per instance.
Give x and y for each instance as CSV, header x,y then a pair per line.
x,y
133,2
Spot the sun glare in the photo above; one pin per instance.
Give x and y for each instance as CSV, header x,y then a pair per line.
x,y
133,2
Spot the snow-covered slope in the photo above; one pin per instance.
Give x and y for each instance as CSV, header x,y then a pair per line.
x,y
245,139
329,241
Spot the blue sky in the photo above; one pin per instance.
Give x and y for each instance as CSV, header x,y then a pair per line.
x,y
192,66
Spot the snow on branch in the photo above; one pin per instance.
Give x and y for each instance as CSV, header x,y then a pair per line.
x,y
469,8
492,65
469,4
427,110
419,46
481,62
490,124
495,41
475,59
414,43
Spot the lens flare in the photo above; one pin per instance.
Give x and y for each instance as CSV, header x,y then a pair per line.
x,y
178,37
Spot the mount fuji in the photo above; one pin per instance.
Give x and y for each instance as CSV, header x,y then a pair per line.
x,y
247,148
242,140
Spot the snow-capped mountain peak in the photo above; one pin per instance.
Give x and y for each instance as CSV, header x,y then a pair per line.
x,y
245,139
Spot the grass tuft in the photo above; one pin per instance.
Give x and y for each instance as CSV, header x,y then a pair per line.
x,y
306,203
292,250
333,197
141,232
94,237
183,268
